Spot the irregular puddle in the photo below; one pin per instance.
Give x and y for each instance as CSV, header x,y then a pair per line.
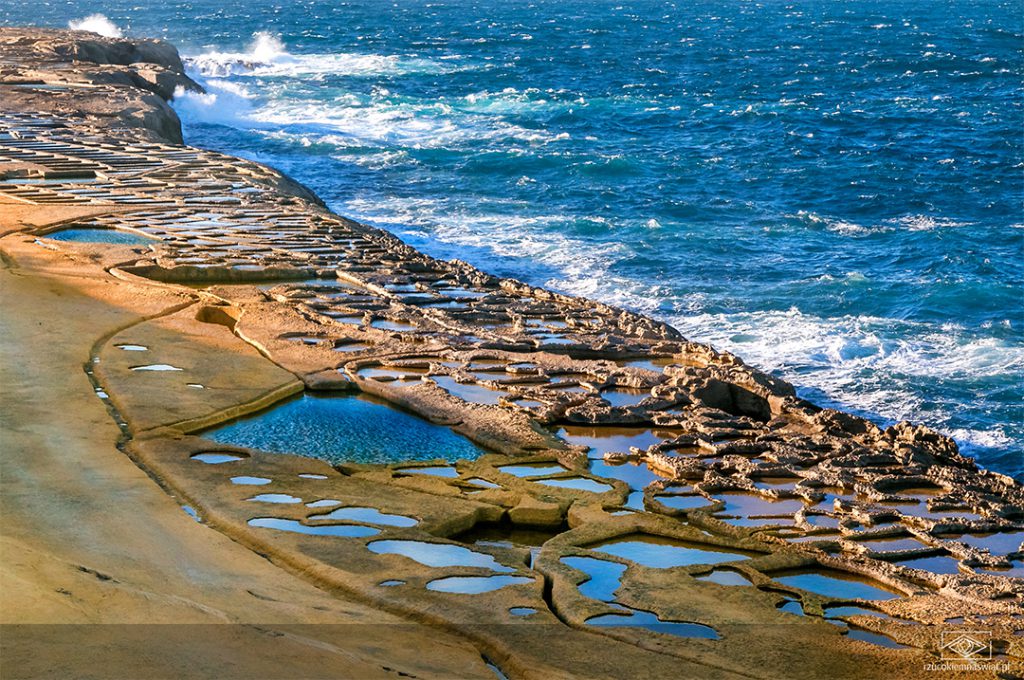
x,y
748,505
475,394
649,621
841,611
636,475
112,236
683,502
792,607
475,585
275,498
367,516
345,428
532,469
307,475
133,348
608,439
835,584
437,554
507,535
434,471
296,527
624,398
726,577
873,638
577,484
522,611
660,552
388,325
603,578
657,364
391,583
937,564
997,544
324,503
156,367
250,481
216,458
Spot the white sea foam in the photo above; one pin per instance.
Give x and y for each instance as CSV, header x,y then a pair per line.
x,y
267,55
97,23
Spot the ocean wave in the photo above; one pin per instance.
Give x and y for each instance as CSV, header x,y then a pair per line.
x,y
266,55
97,23
903,222
379,119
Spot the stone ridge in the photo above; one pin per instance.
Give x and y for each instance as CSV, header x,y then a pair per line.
x,y
639,430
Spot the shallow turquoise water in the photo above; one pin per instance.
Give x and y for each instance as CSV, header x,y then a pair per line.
x,y
830,189
341,429
99,236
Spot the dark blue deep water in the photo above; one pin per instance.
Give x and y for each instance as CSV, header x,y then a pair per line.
x,y
832,190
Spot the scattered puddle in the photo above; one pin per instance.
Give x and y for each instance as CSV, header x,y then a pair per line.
x,y
842,611
997,544
636,475
391,583
608,439
275,498
648,621
475,394
937,564
660,552
532,469
296,527
345,428
388,325
216,458
726,577
309,475
324,503
367,516
837,584
475,585
656,364
603,577
507,535
522,611
436,554
112,236
156,367
250,481
577,484
624,398
191,512
748,505
873,638
351,347
891,544
133,348
602,582
681,502
434,471
483,482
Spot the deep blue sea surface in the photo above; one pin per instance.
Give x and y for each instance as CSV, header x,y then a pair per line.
x,y
832,190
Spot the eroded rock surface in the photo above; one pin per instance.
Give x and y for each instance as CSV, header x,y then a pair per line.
x,y
654,502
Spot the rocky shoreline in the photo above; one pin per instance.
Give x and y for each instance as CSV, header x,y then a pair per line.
x,y
271,295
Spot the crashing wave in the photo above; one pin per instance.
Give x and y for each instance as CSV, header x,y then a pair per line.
x,y
96,23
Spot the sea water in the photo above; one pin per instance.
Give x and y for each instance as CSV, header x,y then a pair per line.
x,y
832,190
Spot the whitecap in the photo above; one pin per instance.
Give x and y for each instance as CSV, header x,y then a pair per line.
x,y
96,23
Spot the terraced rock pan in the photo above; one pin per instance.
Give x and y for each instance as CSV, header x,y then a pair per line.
x,y
488,456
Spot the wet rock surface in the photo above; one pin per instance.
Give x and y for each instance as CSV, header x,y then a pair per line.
x,y
742,517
